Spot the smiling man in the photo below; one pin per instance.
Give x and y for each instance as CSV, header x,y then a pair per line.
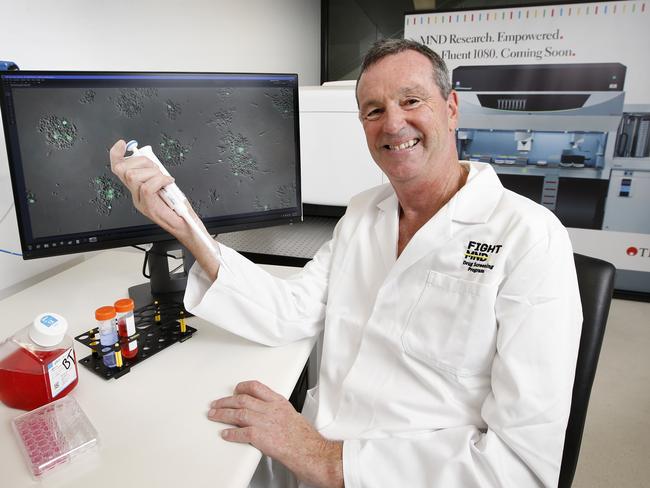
x,y
409,122
449,307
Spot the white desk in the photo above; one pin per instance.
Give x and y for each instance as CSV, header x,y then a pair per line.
x,y
151,422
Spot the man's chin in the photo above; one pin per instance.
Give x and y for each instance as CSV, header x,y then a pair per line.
x,y
401,173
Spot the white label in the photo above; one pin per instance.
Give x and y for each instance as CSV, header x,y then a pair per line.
x,y
62,372
128,323
130,329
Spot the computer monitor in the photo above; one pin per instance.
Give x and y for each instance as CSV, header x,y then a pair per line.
x,y
230,140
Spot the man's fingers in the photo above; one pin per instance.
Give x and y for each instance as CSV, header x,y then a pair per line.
x,y
258,390
245,435
120,165
133,176
242,417
153,185
117,152
239,401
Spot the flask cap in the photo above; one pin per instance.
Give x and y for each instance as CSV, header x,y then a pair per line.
x,y
48,329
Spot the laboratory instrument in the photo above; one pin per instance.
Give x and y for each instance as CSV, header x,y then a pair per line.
x,y
173,196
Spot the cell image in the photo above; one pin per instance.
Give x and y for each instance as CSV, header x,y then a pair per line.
x,y
56,192
88,96
59,131
107,191
261,206
223,92
283,102
222,119
230,150
171,152
286,194
173,109
236,153
131,101
214,196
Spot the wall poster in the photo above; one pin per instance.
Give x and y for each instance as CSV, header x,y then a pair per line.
x,y
556,97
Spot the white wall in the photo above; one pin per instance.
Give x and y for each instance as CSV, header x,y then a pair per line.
x,y
143,35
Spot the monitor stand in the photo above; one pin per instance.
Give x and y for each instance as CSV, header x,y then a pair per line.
x,y
164,286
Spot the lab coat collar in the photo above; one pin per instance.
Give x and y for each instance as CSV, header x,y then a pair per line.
x,y
387,226
476,201
473,204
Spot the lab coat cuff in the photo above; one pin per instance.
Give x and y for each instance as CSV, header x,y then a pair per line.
x,y
351,468
198,281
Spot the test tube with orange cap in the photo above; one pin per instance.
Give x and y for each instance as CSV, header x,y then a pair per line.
x,y
105,317
126,326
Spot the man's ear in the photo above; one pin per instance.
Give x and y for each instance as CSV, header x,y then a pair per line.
x,y
452,110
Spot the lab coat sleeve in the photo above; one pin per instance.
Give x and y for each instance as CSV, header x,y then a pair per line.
x,y
539,319
250,302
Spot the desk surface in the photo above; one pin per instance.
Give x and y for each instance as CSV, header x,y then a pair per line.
x,y
151,422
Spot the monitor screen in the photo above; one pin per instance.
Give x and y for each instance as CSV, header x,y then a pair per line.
x,y
229,140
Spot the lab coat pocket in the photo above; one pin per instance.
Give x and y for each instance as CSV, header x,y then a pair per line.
x,y
452,327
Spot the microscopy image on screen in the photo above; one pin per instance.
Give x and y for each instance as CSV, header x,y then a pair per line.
x,y
231,150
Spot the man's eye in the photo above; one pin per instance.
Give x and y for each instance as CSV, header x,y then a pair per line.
x,y
373,114
411,101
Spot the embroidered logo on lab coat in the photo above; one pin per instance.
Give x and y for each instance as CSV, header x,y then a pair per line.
x,y
478,256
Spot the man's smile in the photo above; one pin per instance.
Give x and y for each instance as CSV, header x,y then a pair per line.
x,y
404,145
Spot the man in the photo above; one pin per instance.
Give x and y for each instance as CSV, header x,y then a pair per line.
x,y
449,306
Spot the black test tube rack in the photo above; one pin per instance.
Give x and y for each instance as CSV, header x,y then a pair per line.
x,y
153,336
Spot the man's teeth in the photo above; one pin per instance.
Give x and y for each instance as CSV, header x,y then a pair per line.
x,y
404,145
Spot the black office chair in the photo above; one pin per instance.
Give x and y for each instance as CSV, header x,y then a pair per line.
x,y
596,284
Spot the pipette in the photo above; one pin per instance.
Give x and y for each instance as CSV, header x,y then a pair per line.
x,y
171,194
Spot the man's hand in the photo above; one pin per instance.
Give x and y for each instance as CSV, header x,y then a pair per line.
x,y
267,420
144,180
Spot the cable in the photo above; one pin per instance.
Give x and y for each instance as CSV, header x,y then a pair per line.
x,y
144,265
146,259
4,216
148,251
11,252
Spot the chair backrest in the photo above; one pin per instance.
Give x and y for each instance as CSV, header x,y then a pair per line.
x,y
596,284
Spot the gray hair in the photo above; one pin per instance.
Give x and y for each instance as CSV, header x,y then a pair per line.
x,y
388,47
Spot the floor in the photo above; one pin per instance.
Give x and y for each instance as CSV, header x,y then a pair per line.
x,y
616,443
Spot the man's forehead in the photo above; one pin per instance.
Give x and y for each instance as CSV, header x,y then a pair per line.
x,y
400,71
401,89
403,65
401,85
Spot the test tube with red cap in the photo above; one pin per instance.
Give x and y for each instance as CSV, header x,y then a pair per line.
x,y
126,326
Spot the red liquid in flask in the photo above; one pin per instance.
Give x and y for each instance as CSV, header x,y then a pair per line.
x,y
25,380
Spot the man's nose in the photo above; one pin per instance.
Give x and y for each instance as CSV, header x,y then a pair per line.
x,y
394,120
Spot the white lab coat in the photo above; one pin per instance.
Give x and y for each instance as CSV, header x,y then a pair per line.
x,y
435,372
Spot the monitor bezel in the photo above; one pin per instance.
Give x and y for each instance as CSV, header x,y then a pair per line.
x,y
151,233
